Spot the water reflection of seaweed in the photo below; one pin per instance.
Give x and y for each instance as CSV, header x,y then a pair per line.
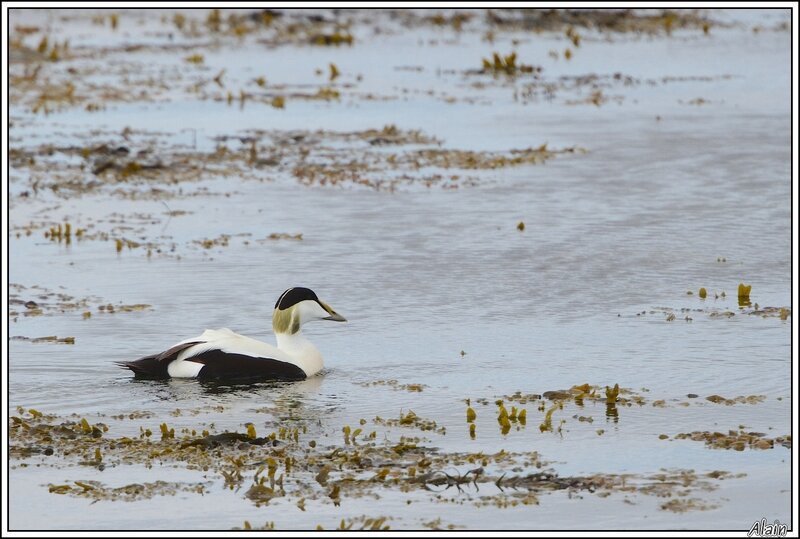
x,y
611,412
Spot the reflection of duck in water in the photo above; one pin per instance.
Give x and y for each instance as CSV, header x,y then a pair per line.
x,y
273,388
223,354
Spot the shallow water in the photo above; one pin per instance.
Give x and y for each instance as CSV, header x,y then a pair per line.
x,y
663,192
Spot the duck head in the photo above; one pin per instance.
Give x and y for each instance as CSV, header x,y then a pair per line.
x,y
298,305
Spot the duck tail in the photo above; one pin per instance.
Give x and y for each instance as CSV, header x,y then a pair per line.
x,y
147,367
155,366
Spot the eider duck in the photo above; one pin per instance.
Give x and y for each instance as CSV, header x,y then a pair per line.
x,y
223,354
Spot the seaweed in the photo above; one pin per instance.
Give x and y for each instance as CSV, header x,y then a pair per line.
x,y
507,65
737,440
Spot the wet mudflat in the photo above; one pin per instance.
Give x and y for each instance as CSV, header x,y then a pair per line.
x,y
536,223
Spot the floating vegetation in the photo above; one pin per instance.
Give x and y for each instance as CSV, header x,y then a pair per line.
x,y
327,93
334,39
586,392
606,21
57,234
96,490
437,524
612,394
688,504
412,420
744,295
312,158
506,418
454,20
394,384
596,97
50,303
547,423
285,236
362,523
53,98
573,36
221,241
736,440
269,525
51,338
751,399
506,65
331,464
289,466
719,314
486,160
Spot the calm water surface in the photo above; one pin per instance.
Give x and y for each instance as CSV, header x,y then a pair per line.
x,y
664,189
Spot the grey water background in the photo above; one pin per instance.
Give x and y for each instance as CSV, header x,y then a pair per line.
x,y
423,274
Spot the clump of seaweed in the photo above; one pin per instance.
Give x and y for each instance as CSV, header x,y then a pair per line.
x,y
720,314
751,399
290,466
58,234
587,392
362,523
39,301
687,504
506,418
49,338
269,525
651,22
744,295
454,20
222,240
411,419
96,490
736,440
506,65
394,384
52,98
308,156
285,236
332,39
471,160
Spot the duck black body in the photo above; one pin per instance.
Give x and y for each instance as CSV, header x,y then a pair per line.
x,y
222,354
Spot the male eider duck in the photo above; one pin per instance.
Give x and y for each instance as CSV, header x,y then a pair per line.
x,y
223,354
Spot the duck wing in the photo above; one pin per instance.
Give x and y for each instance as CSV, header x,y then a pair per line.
x,y
155,366
221,365
230,356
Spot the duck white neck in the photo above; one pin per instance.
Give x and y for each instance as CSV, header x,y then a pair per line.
x,y
305,354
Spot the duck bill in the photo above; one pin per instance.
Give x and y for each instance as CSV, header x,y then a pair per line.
x,y
333,314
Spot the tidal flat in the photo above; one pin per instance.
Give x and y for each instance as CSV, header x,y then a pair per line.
x,y
561,238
